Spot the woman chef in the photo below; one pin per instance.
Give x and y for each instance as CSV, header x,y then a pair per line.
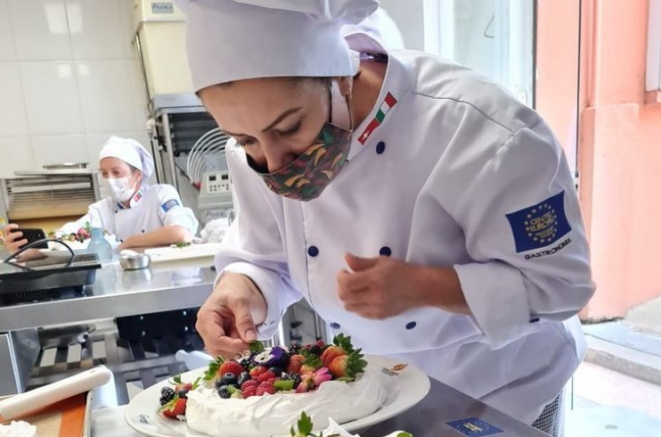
x,y
138,214
417,206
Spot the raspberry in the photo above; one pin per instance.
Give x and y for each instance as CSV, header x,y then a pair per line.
x,y
272,380
249,391
264,388
264,377
249,383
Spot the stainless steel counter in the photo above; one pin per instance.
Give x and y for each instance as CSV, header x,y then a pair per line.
x,y
117,293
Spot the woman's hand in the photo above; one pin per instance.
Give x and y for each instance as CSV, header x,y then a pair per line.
x,y
228,318
13,238
383,287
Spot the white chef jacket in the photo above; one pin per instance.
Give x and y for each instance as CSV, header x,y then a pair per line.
x,y
151,208
456,172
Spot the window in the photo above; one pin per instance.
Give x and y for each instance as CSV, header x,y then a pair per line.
x,y
653,79
495,37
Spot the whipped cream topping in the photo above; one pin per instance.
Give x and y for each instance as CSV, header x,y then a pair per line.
x,y
274,414
18,429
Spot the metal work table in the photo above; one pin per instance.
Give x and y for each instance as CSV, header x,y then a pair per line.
x,y
115,293
429,418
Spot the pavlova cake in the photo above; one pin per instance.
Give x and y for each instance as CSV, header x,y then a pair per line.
x,y
265,392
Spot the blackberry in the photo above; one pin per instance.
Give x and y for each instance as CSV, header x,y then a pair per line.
x,y
315,350
167,394
247,363
295,348
297,380
277,371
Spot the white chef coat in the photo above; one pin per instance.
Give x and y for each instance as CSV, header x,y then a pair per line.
x,y
151,208
456,173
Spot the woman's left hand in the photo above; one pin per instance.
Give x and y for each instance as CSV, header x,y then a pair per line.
x,y
383,287
378,287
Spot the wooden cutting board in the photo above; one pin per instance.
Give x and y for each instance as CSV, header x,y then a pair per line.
x,y
67,418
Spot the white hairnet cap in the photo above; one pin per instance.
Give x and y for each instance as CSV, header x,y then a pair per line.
x,y
231,40
131,152
379,26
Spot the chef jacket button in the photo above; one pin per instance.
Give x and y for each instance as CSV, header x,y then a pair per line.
x,y
385,251
380,147
335,325
313,251
143,231
115,211
534,320
411,325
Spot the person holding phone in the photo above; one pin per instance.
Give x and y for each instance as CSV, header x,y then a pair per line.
x,y
137,213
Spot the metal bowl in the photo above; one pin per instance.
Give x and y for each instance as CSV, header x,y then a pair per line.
x,y
134,262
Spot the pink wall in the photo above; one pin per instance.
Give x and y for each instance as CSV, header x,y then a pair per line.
x,y
620,153
619,150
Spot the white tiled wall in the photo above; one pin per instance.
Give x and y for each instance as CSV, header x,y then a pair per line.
x,y
69,79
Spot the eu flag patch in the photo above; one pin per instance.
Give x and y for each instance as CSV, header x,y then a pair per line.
x,y
167,206
540,225
474,427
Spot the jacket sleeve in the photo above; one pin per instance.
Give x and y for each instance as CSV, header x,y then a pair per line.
x,y
171,210
524,233
253,245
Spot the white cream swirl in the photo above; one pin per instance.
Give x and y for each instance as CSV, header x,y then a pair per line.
x,y
274,414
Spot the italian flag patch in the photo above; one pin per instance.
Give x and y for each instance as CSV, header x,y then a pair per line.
x,y
388,103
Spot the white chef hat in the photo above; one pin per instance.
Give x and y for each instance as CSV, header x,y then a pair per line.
x,y
232,40
131,152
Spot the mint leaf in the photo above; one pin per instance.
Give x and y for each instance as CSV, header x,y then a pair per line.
x,y
283,385
404,434
256,347
304,424
214,367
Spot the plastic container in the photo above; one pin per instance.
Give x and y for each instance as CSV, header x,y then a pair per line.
x,y
100,246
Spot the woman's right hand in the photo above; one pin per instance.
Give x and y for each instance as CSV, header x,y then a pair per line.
x,y
13,239
228,318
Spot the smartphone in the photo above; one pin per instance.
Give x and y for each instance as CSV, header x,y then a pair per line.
x,y
32,235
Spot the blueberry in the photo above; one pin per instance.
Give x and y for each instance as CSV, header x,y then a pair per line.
x,y
243,377
224,392
183,394
277,371
228,379
218,383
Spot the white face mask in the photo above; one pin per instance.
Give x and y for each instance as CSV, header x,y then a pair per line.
x,y
120,188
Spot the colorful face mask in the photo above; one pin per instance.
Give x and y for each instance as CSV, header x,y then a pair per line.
x,y
306,177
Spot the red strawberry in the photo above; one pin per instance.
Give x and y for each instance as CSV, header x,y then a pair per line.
x,y
264,388
179,387
231,366
264,377
331,353
341,346
249,391
257,370
176,407
321,343
307,368
249,383
347,366
295,363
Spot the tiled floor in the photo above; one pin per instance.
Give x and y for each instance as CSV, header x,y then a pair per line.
x,y
610,404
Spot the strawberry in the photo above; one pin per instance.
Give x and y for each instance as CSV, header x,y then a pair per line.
x,y
185,386
347,366
295,363
341,346
264,388
257,370
312,363
174,408
231,366
321,343
249,383
307,384
264,377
